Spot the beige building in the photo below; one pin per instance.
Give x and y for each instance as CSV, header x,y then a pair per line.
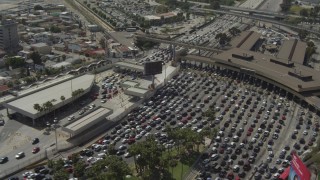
x,y
41,48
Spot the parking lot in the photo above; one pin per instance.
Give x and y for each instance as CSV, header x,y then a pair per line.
x,y
257,127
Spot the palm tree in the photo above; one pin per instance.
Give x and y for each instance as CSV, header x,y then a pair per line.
x,y
54,110
37,107
134,151
62,98
47,106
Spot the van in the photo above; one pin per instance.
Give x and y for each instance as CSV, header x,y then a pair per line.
x,y
102,155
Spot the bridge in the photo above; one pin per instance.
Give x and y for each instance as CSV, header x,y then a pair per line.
x,y
257,12
256,17
175,43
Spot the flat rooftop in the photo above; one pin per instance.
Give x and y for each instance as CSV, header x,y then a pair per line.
x,y
293,50
134,91
130,66
130,83
88,120
246,40
37,86
262,66
24,105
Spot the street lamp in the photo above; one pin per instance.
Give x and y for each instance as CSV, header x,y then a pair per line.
x,y
55,126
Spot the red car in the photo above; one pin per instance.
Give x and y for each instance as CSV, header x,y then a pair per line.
x,y
250,129
100,141
249,134
283,118
131,140
35,150
184,121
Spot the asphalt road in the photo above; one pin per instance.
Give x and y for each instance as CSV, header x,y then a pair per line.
x,y
271,5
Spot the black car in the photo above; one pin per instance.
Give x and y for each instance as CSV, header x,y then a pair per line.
x,y
4,160
268,176
35,141
37,169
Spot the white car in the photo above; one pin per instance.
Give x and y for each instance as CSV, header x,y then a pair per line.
x,y
20,155
103,101
127,155
70,118
138,136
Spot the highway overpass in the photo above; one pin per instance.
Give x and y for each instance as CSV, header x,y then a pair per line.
x,y
256,17
254,11
175,43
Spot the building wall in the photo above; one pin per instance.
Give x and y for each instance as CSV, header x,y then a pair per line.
x,y
43,49
9,39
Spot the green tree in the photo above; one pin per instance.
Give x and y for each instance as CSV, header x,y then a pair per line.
x,y
214,4
10,84
223,38
60,174
23,72
148,160
16,82
55,29
234,31
134,152
62,98
79,169
304,12
37,107
112,150
112,168
80,24
103,43
303,34
38,7
64,57
15,62
285,5
188,16
36,58
116,167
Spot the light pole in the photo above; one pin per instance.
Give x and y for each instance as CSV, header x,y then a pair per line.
x,y
165,73
55,126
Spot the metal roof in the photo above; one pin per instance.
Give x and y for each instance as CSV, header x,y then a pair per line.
x,y
24,105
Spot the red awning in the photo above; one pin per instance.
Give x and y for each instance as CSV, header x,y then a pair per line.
x,y
285,174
